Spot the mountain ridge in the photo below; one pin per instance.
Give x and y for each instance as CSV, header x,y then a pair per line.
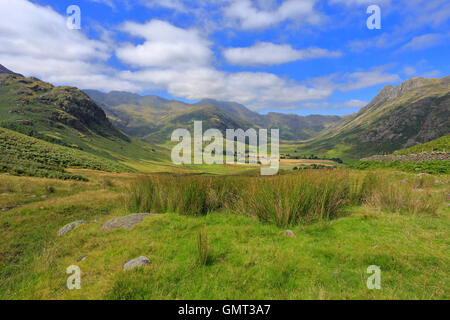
x,y
142,115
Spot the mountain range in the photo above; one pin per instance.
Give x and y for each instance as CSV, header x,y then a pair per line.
x,y
153,119
112,125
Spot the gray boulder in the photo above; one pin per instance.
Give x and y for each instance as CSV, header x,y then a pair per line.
x,y
138,262
126,222
70,227
289,233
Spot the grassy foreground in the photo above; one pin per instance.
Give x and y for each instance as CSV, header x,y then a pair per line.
x,y
245,258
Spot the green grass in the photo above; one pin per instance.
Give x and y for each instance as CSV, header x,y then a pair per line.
x,y
245,258
23,155
284,200
441,144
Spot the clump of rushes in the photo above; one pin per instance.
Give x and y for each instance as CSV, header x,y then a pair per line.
x,y
284,200
202,244
405,198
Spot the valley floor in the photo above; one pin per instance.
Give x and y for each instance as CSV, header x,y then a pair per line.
x,y
247,259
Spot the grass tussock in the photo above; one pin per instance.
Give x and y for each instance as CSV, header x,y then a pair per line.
x,y
202,244
401,198
283,200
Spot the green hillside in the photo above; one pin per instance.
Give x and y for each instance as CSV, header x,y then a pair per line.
x,y
416,111
24,155
67,117
441,144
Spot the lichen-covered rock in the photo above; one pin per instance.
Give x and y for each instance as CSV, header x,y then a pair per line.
x,y
126,222
70,227
138,262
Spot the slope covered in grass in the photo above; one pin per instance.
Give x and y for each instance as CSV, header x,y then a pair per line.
x,y
68,117
441,144
24,155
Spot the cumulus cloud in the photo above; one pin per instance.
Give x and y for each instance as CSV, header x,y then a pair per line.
x,y
258,90
248,16
266,53
165,46
34,40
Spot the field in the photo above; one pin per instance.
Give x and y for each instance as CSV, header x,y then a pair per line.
x,y
210,248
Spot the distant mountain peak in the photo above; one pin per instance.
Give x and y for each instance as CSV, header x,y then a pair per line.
x,y
389,93
3,69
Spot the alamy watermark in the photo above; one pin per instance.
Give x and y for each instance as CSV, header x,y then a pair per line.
x,y
74,281
374,281
374,21
74,17
235,147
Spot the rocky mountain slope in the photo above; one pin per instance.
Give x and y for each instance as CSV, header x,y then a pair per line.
x,y
67,117
416,111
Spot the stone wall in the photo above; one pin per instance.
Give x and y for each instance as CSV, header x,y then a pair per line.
x,y
411,157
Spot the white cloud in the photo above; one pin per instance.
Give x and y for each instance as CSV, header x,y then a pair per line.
x,y
359,2
247,16
265,53
109,3
423,42
409,71
165,46
365,79
432,74
356,80
176,5
258,90
354,103
34,40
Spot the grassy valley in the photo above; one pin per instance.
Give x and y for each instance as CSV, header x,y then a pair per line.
x,y
70,181
153,119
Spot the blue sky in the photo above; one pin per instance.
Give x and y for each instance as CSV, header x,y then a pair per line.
x,y
294,56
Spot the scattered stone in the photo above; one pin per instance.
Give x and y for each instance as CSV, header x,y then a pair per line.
x,y
70,227
6,208
126,222
375,246
82,259
138,262
32,196
423,174
289,233
4,194
434,156
43,196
